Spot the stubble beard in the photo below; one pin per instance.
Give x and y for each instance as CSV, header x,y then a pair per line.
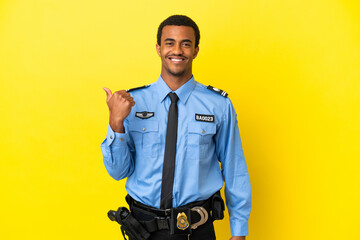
x,y
176,74
179,73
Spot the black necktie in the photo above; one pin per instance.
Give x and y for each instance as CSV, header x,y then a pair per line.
x,y
169,155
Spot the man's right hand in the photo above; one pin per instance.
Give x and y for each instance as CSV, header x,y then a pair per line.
x,y
120,104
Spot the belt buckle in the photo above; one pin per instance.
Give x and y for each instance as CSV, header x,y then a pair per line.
x,y
167,212
203,214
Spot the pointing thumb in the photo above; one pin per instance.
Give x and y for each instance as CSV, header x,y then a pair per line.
x,y
108,93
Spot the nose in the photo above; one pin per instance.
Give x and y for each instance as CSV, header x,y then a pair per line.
x,y
177,49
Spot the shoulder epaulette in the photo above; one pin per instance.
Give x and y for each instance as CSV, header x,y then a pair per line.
x,y
219,91
137,88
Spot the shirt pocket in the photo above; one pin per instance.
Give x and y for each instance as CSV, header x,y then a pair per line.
x,y
145,134
200,139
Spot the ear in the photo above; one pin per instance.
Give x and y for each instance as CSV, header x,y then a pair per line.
x,y
196,52
158,50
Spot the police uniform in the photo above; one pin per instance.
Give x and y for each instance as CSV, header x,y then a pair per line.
x,y
207,135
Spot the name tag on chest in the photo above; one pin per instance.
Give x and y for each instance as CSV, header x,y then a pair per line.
x,y
204,118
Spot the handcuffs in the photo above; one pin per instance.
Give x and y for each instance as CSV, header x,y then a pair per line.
x,y
203,214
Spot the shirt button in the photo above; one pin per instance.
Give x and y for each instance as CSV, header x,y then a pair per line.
x,y
144,129
203,131
121,139
111,137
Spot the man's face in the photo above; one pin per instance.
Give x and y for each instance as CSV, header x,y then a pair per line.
x,y
177,50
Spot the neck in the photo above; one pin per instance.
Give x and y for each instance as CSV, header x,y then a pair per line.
x,y
175,82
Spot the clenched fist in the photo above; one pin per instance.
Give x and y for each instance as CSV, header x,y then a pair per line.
x,y
120,104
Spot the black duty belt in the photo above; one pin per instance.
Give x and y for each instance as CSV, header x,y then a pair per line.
x,y
178,220
143,219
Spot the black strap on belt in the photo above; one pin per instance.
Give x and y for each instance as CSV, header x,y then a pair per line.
x,y
157,224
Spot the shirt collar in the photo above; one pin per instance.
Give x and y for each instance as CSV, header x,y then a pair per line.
x,y
183,92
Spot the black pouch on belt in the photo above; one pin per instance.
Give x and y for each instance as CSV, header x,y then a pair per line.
x,y
129,225
217,206
180,221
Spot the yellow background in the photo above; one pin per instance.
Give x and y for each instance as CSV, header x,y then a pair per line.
x,y
291,68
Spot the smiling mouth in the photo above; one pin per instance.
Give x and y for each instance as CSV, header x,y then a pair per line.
x,y
176,59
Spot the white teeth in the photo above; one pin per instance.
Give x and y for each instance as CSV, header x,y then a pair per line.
x,y
176,60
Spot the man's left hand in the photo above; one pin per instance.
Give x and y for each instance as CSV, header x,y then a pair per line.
x,y
237,238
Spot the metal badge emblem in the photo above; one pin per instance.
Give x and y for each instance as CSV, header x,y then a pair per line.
x,y
182,222
144,114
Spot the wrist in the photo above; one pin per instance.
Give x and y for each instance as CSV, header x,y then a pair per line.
x,y
117,125
237,238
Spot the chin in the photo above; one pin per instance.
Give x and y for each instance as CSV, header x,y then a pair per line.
x,y
176,73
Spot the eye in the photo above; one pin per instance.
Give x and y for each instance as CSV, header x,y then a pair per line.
x,y
168,43
186,44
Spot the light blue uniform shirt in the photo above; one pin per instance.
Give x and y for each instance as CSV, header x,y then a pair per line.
x,y
138,154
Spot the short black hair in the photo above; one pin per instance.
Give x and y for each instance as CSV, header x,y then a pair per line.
x,y
179,20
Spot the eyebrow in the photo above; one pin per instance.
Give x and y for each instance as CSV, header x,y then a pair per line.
x,y
173,40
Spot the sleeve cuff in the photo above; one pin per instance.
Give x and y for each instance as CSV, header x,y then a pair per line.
x,y
239,228
114,138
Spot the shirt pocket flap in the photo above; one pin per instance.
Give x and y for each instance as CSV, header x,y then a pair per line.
x,y
144,126
202,128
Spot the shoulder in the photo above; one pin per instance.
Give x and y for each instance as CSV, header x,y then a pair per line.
x,y
212,92
141,90
137,88
214,97
217,90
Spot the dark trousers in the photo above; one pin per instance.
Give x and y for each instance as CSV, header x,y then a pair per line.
x,y
203,232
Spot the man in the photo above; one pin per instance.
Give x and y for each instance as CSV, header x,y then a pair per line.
x,y
169,145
